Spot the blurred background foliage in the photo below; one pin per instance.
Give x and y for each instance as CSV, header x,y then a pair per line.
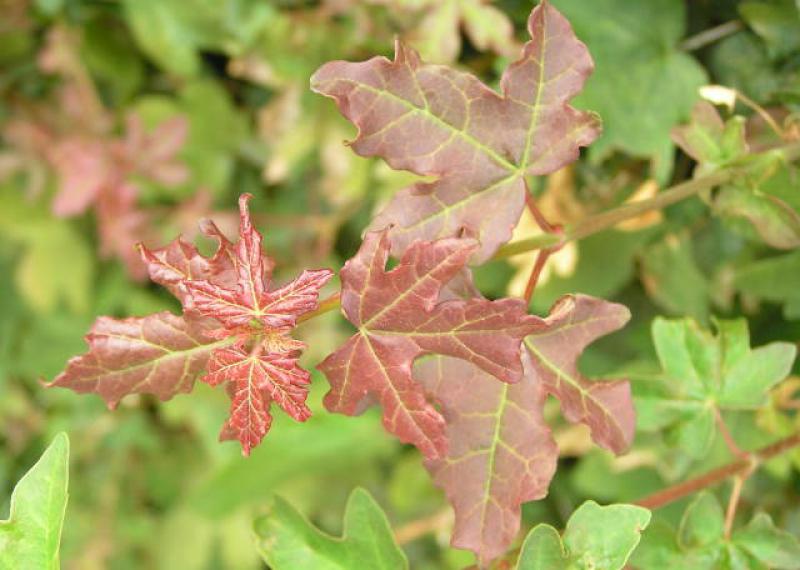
x,y
128,120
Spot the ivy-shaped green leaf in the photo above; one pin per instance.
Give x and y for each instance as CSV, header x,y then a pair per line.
x,y
704,373
31,535
596,538
288,541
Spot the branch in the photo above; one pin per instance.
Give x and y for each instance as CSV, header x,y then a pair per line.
x,y
610,218
738,467
711,35
604,220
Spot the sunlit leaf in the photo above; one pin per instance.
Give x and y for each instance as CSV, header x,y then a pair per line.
x,y
31,536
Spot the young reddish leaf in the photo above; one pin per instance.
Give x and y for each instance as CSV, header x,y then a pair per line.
x,y
500,451
233,325
606,408
250,303
161,354
83,169
436,121
256,379
172,266
398,319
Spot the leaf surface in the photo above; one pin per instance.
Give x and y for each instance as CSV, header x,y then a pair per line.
x,y
500,450
597,537
235,327
700,542
575,321
254,380
399,318
30,537
704,372
759,202
644,84
160,354
287,541
478,144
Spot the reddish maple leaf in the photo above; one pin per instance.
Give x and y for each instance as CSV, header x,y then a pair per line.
x,y
161,354
500,451
255,379
480,145
575,321
233,326
399,318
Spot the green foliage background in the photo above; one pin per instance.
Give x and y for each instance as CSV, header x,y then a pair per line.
x,y
150,485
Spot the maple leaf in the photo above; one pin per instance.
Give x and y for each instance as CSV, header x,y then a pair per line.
x,y
250,303
480,145
234,328
255,379
500,451
160,354
606,408
399,318
705,374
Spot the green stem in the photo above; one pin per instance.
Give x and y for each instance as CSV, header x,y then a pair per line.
x,y
607,219
610,218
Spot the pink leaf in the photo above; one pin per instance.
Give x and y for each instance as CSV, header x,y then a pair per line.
x,y
575,321
233,325
478,144
160,354
400,318
500,455
251,303
255,380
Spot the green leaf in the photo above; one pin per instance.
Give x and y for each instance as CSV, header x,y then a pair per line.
x,y
747,382
643,85
767,218
761,202
30,537
703,522
774,547
542,550
597,538
700,543
672,278
110,58
775,279
742,62
57,267
696,432
710,141
287,541
777,22
704,372
161,30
